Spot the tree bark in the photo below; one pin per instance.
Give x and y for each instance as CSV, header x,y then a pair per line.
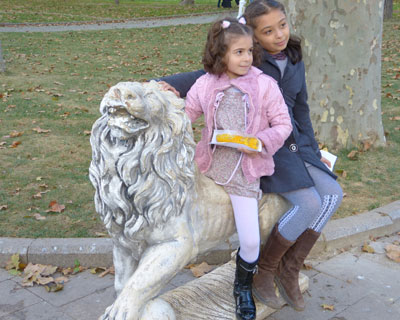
x,y
388,10
187,2
343,68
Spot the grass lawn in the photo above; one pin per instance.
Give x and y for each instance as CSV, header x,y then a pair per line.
x,y
51,11
49,99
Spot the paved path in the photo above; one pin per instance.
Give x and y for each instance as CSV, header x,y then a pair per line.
x,y
132,24
359,286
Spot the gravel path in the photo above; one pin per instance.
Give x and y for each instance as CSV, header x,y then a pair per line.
x,y
131,24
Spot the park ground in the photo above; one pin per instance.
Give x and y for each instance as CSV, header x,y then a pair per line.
x,y
53,84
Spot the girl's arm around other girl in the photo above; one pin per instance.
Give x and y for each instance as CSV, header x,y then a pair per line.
x,y
193,104
280,125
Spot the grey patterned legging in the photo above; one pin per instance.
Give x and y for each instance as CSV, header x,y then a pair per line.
x,y
312,207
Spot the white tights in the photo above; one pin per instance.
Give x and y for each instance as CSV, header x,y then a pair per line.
x,y
246,219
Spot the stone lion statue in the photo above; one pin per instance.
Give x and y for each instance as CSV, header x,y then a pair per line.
x,y
160,212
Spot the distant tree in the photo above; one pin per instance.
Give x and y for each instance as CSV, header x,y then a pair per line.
x,y
187,2
388,9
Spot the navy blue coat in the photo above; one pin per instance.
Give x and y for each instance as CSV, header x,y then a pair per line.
x,y
301,146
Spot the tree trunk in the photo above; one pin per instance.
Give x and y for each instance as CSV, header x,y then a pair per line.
x,y
343,68
116,1
187,2
388,11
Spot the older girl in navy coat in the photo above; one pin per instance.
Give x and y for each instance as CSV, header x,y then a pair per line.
x,y
301,174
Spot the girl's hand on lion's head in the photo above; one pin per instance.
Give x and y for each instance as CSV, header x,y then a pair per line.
x,y
167,87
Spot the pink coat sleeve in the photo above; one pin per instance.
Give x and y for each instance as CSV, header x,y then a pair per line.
x,y
278,118
192,104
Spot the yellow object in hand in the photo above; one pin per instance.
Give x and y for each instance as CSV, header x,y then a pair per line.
x,y
252,143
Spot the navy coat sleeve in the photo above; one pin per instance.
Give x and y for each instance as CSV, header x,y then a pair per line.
x,y
301,114
183,81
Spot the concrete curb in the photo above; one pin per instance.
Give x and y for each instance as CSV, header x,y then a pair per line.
x,y
97,252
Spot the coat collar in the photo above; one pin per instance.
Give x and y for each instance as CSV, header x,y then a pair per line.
x,y
290,69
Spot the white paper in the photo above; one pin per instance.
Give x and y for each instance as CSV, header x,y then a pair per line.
x,y
231,144
329,156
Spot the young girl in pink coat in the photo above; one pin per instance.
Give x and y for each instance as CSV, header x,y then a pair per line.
x,y
234,95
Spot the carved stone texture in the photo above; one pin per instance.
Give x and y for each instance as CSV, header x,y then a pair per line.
x,y
209,297
160,212
342,53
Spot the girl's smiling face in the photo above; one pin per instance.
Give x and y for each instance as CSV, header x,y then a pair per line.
x,y
272,31
239,57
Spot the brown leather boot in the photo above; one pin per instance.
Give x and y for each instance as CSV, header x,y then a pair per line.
x,y
263,283
287,278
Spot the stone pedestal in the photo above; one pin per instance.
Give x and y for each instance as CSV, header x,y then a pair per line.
x,y
209,297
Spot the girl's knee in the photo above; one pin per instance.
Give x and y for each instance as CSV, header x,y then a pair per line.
x,y
251,245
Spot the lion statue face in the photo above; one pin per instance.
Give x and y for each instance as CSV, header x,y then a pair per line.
x,y
133,107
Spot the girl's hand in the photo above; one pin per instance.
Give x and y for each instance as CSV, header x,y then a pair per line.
x,y
248,152
167,87
327,162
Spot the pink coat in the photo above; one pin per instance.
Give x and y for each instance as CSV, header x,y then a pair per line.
x,y
268,117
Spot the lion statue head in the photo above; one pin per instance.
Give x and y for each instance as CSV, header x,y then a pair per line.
x,y
142,158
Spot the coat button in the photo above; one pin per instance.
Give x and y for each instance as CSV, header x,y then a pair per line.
x,y
293,147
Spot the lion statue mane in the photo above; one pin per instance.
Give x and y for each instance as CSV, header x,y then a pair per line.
x,y
159,211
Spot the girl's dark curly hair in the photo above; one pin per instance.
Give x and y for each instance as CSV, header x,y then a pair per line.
x,y
217,45
260,7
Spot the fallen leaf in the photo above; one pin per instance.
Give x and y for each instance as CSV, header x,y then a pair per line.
x,y
37,196
61,280
201,269
44,280
13,263
327,307
393,252
366,145
15,134
367,248
101,234
3,207
39,217
96,270
54,287
110,270
341,172
15,144
352,155
39,130
307,266
396,118
67,271
55,207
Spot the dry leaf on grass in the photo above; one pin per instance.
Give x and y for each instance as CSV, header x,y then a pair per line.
x,y
55,207
37,196
201,269
352,155
393,252
15,134
39,217
15,144
3,207
40,130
